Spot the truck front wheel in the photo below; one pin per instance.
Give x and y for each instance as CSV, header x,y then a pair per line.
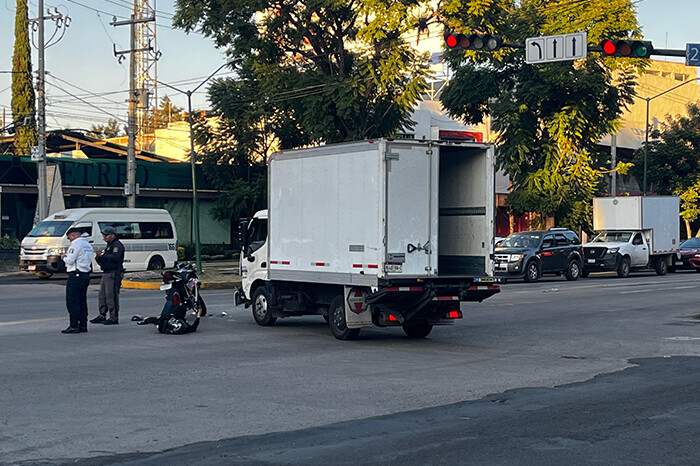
x,y
337,323
660,266
417,331
261,307
623,270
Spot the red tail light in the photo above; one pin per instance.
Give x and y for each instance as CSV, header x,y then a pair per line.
x,y
392,318
454,315
176,299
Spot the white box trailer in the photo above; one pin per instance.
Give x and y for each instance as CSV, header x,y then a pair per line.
x,y
376,232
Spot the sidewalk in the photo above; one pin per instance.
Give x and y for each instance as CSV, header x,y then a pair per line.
x,y
215,275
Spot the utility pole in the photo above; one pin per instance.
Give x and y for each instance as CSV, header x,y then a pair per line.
x,y
39,151
131,188
40,154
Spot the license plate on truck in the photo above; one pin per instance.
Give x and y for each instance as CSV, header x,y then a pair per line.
x,y
591,261
31,267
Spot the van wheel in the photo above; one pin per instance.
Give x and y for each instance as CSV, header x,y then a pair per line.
x,y
337,323
623,270
156,263
261,307
417,331
573,271
532,272
43,275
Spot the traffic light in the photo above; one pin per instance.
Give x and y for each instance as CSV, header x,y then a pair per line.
x,y
481,42
627,48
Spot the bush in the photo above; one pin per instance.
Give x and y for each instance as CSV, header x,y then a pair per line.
x,y
188,252
8,242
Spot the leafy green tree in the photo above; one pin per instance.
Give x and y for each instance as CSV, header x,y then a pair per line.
x,y
338,70
23,107
673,163
109,130
308,72
548,117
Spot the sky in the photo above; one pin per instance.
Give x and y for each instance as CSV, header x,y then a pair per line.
x,y
83,64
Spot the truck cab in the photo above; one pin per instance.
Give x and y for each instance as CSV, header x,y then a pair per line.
x,y
621,251
253,263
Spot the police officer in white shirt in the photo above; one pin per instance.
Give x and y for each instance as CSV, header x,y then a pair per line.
x,y
78,262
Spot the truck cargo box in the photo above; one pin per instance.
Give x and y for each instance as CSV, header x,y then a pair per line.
x,y
355,213
658,216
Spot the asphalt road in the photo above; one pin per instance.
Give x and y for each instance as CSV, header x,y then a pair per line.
x,y
602,370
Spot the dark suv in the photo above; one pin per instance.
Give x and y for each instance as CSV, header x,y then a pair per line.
x,y
529,254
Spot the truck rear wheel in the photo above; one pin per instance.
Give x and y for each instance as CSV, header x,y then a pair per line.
x,y
337,323
660,266
623,270
261,307
417,331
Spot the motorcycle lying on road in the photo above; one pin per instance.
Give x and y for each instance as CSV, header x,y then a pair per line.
x,y
182,296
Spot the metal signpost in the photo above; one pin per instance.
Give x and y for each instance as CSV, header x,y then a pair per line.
x,y
561,47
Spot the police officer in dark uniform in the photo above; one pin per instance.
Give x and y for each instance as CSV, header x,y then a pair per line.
x,y
111,262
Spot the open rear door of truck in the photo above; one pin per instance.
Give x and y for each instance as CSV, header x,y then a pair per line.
x,y
411,209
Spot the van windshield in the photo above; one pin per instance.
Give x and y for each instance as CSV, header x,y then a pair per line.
x,y
50,228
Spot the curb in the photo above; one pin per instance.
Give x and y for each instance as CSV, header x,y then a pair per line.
x,y
137,285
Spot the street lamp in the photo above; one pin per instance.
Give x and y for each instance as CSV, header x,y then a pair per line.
x,y
195,204
646,128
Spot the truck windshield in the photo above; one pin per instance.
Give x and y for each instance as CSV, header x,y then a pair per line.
x,y
613,237
50,228
519,240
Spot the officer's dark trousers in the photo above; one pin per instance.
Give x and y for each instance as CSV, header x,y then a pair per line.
x,y
76,298
109,294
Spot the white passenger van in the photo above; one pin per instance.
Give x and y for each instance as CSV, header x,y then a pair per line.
x,y
148,236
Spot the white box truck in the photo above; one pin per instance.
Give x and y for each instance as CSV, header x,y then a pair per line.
x,y
379,232
635,233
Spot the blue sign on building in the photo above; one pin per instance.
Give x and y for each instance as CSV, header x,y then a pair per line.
x,y
692,54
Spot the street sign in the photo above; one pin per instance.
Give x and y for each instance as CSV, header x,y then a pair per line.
x,y
692,54
35,153
561,47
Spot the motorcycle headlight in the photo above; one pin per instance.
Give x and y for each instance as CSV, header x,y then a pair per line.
x,y
515,257
56,251
613,250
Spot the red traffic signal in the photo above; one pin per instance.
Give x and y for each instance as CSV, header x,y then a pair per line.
x,y
627,48
481,42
